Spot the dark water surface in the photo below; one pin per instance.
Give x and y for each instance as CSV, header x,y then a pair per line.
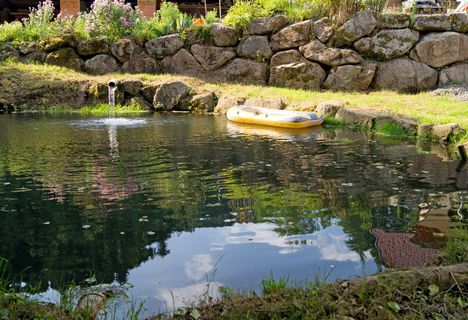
x,y
176,204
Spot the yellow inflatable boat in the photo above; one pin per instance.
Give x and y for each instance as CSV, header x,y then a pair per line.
x,y
273,117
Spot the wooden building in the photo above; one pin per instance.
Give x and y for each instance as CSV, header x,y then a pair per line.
x,y
11,10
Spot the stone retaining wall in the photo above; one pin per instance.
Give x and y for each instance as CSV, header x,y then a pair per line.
x,y
393,51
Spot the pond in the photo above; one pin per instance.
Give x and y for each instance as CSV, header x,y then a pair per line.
x,y
179,205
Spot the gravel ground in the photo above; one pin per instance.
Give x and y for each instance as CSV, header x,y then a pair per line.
x,y
460,92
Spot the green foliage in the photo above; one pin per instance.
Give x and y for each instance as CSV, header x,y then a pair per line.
x,y
243,11
210,18
457,247
270,284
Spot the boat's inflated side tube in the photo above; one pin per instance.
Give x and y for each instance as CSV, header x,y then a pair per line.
x,y
273,117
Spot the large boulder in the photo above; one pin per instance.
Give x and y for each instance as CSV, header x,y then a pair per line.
x,y
351,78
360,25
255,47
301,75
169,95
330,108
317,51
394,21
246,70
35,56
323,29
388,44
277,103
432,22
293,36
455,74
131,86
181,62
98,93
227,102
148,92
63,41
123,49
9,52
101,64
266,25
203,102
211,57
404,75
441,49
459,21
141,64
357,118
164,46
139,101
93,46
286,57
224,36
441,132
65,57
29,47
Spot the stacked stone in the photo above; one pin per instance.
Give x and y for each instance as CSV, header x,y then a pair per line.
x,y
390,52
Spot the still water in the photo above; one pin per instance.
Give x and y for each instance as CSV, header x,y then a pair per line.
x,y
176,205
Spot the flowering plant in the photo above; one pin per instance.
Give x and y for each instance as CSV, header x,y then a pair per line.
x,y
112,18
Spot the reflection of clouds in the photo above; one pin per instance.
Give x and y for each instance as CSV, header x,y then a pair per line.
x,y
181,297
333,246
331,241
199,266
254,233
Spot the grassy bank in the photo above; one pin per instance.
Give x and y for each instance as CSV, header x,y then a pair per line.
x,y
428,109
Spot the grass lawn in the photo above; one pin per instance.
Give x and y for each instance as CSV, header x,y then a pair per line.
x,y
423,106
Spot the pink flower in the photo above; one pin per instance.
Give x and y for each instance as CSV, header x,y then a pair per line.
x,y
125,21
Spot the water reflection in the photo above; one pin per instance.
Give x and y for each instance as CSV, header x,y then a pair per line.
x,y
172,203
